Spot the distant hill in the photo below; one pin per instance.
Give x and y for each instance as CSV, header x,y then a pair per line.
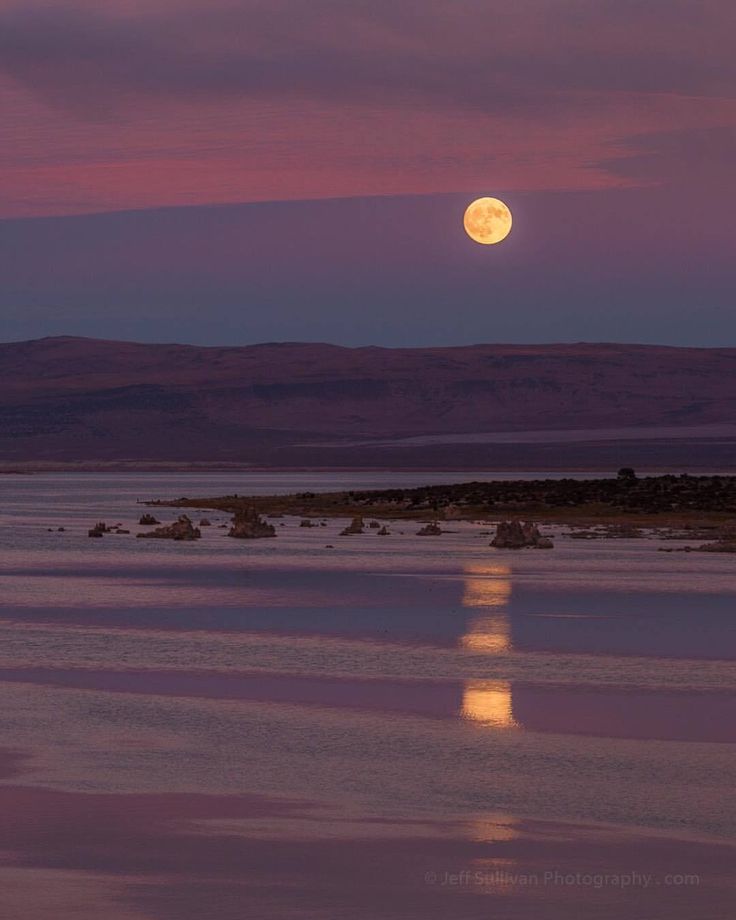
x,y
289,404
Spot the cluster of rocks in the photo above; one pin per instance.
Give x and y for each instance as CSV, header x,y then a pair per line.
x,y
518,535
245,524
181,529
705,532
725,542
607,532
101,528
718,546
249,525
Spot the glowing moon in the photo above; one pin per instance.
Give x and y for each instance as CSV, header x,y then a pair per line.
x,y
487,221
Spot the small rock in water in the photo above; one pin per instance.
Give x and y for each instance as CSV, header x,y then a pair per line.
x,y
148,520
354,527
432,529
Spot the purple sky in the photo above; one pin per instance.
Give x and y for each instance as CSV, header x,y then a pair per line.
x,y
298,169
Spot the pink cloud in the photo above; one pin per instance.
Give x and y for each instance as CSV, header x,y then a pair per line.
x,y
113,105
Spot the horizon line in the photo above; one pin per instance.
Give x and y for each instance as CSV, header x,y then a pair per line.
x,y
320,343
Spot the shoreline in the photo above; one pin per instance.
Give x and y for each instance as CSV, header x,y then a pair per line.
x,y
149,466
669,501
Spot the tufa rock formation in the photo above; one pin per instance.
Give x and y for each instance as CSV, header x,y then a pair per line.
x,y
249,525
432,529
515,535
181,529
148,520
355,526
98,530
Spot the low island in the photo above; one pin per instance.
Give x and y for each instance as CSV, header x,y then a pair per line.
x,y
679,506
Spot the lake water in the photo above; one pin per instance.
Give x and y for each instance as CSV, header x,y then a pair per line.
x,y
325,726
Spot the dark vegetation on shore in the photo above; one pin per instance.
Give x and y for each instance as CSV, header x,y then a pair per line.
x,y
662,500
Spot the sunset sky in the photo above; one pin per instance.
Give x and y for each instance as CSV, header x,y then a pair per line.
x,y
234,171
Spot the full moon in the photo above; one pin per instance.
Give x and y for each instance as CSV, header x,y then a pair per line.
x,y
487,220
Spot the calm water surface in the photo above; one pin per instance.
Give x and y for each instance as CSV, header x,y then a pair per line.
x,y
300,726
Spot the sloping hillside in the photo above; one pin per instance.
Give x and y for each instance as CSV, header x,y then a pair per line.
x,y
290,404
